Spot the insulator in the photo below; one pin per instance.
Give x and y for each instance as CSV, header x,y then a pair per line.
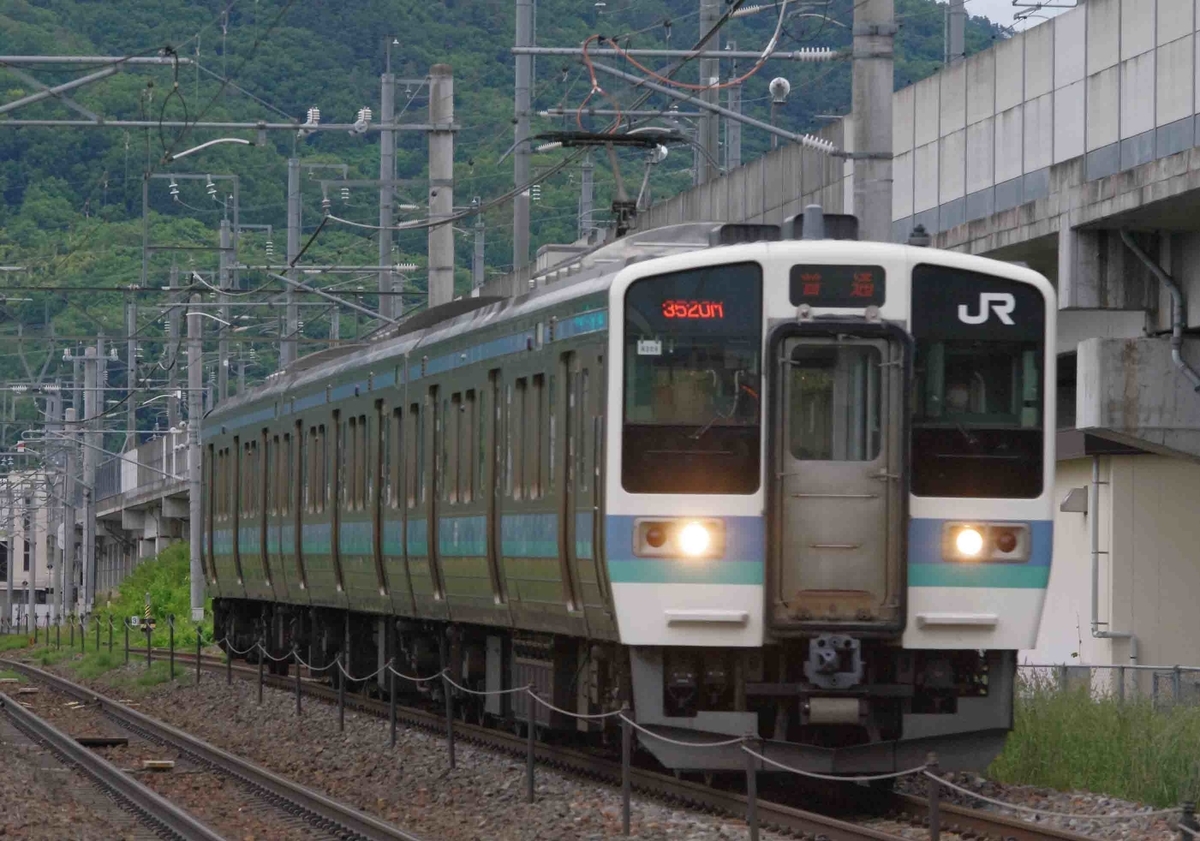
x,y
345,194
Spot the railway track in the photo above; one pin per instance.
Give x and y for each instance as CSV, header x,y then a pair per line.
x,y
151,809
321,814
955,819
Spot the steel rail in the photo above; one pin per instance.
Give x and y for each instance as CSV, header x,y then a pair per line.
x,y
955,818
321,810
149,806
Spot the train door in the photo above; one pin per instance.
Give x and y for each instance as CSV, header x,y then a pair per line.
x,y
378,446
435,464
838,498
491,466
265,464
238,484
564,457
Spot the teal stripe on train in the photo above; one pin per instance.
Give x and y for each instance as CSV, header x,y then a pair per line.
x,y
462,536
998,576
529,535
355,538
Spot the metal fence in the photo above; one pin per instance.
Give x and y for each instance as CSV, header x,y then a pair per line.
x,y
1164,685
144,467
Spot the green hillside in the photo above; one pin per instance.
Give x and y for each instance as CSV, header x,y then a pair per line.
x,y
70,199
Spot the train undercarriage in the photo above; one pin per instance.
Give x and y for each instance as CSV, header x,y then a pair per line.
x,y
827,703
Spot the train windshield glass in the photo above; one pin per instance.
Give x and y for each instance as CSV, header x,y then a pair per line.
x,y
977,389
693,375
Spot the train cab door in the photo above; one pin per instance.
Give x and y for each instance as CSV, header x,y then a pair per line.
x,y
838,499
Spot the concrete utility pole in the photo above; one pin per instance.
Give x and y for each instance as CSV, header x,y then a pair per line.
x,y
733,129
287,341
173,323
710,74
871,98
91,395
956,31
387,172
11,533
195,516
522,104
68,547
441,184
477,261
585,196
130,375
223,333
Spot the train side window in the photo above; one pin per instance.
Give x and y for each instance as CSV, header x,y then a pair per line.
x,y
552,427
416,461
437,461
585,414
323,485
453,456
518,425
396,446
284,461
271,472
535,419
366,473
466,448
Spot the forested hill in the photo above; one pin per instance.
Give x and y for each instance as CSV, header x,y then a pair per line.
x,y
70,199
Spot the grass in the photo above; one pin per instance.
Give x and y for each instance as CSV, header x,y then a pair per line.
x,y
1074,739
13,642
96,663
167,580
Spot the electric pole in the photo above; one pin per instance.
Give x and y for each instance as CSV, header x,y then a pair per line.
x,y
91,394
172,360
871,98
387,172
477,261
522,104
223,332
956,31
68,559
710,75
586,226
441,184
287,340
130,375
733,128
195,515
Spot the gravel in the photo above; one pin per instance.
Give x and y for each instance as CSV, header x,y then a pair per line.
x,y
41,799
1087,808
412,785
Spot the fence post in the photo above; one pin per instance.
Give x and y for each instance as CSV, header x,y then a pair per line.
x,y
199,634
530,735
449,717
262,656
228,661
1187,821
341,676
35,629
110,634
626,759
296,658
71,636
58,635
751,794
392,701
1176,685
82,636
935,796
149,654
1121,684
97,634
125,622
171,642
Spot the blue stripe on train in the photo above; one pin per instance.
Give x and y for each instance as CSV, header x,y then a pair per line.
x,y
743,562
927,567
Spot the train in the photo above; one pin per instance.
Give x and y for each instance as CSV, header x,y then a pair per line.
x,y
739,480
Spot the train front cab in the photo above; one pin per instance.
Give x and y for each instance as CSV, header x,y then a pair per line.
x,y
831,613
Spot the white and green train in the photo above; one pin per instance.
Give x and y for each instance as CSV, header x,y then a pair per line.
x,y
793,488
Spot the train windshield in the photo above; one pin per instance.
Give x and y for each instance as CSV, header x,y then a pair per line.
x,y
977,390
693,375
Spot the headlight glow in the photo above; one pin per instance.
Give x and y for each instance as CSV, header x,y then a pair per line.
x,y
694,539
969,542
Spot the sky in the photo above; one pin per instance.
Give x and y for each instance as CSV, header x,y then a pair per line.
x,y
1001,11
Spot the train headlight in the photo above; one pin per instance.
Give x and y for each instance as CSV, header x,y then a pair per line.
x,y
694,540
981,541
678,538
968,542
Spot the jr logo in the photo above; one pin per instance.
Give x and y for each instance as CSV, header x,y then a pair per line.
x,y
1001,303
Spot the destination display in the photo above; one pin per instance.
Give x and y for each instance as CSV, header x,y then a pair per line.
x,y
693,309
837,286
